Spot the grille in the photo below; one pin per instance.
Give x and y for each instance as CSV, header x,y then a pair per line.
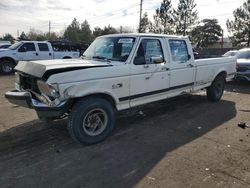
x,y
29,82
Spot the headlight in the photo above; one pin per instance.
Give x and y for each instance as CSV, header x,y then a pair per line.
x,y
17,78
48,89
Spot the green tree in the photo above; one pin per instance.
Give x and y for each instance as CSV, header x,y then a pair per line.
x,y
125,29
72,31
85,33
239,27
97,32
51,36
207,33
35,35
23,36
8,37
185,16
165,13
105,31
164,19
78,33
38,35
145,23
156,26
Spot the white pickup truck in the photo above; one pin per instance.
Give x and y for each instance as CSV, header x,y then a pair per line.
x,y
30,50
116,72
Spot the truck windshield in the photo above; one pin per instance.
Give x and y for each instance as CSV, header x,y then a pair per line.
x,y
15,45
110,48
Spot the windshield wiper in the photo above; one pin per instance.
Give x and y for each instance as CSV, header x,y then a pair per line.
x,y
101,57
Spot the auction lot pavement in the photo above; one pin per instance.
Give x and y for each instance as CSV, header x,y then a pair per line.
x,y
182,142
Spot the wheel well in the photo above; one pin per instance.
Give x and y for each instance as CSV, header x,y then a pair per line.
x,y
223,73
99,95
67,57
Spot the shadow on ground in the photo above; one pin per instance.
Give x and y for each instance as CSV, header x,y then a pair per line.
x,y
33,155
238,87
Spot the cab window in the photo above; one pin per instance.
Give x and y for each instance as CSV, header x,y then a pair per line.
x,y
26,47
43,47
148,48
179,51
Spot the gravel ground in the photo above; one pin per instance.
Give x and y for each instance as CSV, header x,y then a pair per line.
x,y
182,142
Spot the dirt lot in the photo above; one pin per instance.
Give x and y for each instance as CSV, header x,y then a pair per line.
x,y
182,142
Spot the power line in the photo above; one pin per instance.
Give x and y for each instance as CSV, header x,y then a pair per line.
x,y
106,14
104,17
111,19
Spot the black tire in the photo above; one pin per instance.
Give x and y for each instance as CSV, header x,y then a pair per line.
x,y
7,66
91,120
215,91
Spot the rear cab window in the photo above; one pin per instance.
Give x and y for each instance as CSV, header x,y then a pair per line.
x,y
43,47
179,50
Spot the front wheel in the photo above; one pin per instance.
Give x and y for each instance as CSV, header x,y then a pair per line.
x,y
7,66
91,120
215,91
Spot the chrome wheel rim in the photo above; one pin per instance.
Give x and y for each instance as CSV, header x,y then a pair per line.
x,y
95,122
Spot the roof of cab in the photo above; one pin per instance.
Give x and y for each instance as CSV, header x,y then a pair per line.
x,y
34,41
145,35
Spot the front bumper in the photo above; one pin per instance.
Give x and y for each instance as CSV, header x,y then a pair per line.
x,y
24,99
19,98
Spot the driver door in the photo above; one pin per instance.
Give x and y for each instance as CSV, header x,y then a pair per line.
x,y
27,52
149,80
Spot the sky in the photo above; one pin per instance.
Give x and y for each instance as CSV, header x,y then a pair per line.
x,y
22,15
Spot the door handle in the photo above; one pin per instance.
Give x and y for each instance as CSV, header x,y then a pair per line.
x,y
36,54
190,65
49,54
146,66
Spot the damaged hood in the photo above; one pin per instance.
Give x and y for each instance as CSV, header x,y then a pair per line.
x,y
39,68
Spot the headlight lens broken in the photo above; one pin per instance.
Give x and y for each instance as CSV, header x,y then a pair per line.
x,y
50,90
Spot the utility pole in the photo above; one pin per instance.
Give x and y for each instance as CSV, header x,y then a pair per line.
x,y
222,39
49,28
140,16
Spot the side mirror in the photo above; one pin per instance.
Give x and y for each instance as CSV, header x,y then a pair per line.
x,y
22,49
156,59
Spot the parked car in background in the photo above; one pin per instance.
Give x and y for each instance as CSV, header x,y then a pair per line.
x,y
243,64
4,42
230,53
32,50
4,46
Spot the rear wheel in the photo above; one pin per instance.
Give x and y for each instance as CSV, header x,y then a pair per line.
x,y
91,120
7,66
215,91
